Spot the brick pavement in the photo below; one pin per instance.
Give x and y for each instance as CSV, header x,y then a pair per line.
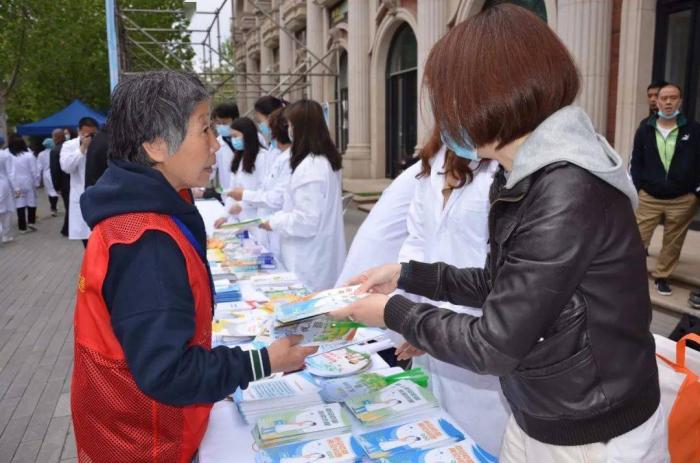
x,y
37,292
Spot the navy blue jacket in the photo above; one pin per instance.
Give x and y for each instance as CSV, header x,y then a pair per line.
x,y
148,295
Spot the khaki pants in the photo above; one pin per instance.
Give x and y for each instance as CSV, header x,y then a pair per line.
x,y
678,214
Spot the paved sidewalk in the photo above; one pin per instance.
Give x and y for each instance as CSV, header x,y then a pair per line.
x,y
37,292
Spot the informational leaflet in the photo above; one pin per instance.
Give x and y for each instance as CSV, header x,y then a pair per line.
x,y
285,427
465,451
392,403
342,389
336,449
421,434
339,362
318,303
316,331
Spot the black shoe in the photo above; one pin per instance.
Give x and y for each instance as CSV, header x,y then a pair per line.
x,y
662,287
694,299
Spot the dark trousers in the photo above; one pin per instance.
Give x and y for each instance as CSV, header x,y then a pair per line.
x,y
22,217
64,197
53,201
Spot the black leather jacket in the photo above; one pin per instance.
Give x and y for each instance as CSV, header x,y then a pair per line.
x,y
566,309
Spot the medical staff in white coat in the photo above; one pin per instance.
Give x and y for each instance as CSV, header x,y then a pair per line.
x,y
44,163
7,193
310,224
263,108
384,230
72,160
245,172
448,222
25,182
269,196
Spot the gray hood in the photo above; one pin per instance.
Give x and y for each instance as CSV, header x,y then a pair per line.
x,y
568,135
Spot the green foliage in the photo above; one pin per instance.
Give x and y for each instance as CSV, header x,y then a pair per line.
x,y
61,46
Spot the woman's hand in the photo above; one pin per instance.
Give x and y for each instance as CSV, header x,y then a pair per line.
x,y
368,310
406,351
287,355
382,279
219,222
265,225
236,193
235,209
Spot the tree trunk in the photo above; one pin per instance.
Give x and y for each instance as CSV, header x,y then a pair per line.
x,y
3,116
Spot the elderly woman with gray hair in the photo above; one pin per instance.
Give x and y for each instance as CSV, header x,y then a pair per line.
x,y
145,375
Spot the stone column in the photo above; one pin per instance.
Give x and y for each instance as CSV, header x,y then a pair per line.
x,y
315,43
357,155
266,64
635,68
253,92
585,27
432,25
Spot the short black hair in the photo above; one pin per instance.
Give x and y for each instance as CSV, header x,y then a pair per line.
x,y
268,103
227,111
671,84
151,105
16,145
87,122
657,84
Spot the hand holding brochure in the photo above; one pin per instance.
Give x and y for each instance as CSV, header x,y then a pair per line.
x,y
317,331
422,434
395,401
318,303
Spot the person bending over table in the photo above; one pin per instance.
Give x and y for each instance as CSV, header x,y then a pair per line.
x,y
144,373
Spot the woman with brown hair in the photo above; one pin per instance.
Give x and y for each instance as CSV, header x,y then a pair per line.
x,y
566,309
310,224
449,212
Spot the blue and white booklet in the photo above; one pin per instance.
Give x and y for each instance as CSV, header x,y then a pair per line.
x,y
465,451
426,433
337,449
316,304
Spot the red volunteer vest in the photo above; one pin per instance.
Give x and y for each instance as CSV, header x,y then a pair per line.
x,y
113,419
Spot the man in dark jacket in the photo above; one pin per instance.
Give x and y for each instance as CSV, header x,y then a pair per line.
x,y
60,179
666,172
96,158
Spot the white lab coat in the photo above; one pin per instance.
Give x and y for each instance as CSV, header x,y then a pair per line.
x,y
384,230
310,224
269,196
458,235
247,181
73,163
26,180
224,157
7,174
43,162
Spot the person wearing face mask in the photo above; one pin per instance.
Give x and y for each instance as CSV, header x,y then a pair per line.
x,y
222,117
449,212
310,224
665,168
72,159
245,170
269,196
263,107
564,294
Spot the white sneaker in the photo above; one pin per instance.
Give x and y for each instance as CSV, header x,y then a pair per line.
x,y
7,239
31,227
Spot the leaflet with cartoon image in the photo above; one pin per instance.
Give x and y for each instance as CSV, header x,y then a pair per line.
x,y
391,403
422,434
466,451
337,449
342,389
316,331
317,303
296,425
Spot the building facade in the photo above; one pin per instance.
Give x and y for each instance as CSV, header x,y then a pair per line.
x,y
363,60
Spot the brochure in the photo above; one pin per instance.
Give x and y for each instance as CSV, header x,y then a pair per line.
x,y
421,434
317,303
339,362
317,331
302,424
267,395
337,449
243,224
462,452
342,389
247,323
391,403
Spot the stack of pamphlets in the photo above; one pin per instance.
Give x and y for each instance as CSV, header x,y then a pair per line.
x,y
302,424
226,291
392,403
465,451
274,279
421,434
265,396
336,449
338,362
342,389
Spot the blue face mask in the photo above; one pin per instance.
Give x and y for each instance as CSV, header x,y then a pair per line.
x,y
273,144
265,130
237,143
465,151
668,118
223,130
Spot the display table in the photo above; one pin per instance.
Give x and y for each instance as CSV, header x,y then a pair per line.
x,y
228,438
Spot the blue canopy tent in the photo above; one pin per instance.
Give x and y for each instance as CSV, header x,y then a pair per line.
x,y
67,117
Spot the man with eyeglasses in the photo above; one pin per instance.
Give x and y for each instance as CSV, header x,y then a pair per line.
x,y
666,171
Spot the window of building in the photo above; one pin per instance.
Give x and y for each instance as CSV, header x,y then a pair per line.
x,y
401,101
677,50
341,120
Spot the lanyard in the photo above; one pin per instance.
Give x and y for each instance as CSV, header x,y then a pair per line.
x,y
188,234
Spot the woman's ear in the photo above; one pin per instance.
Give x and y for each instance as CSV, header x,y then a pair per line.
x,y
157,150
